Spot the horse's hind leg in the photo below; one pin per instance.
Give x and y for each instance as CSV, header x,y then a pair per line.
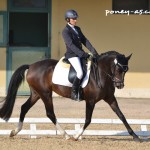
x,y
24,109
48,102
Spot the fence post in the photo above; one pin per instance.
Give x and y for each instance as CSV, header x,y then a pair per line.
x,y
144,129
77,127
33,130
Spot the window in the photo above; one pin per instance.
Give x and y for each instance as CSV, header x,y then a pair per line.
x,y
3,28
30,5
28,22
28,29
130,5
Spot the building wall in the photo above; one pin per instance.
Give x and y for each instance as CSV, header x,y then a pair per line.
x,y
126,34
123,33
2,71
3,7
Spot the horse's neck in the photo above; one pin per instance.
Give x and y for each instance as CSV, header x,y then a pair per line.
x,y
107,61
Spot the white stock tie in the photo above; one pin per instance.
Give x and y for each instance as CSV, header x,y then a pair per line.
x,y
75,30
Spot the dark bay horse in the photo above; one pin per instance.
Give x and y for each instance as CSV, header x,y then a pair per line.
x,y
106,74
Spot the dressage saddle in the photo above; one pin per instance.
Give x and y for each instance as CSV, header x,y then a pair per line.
x,y
72,73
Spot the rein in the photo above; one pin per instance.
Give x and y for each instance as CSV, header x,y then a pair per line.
x,y
96,74
112,77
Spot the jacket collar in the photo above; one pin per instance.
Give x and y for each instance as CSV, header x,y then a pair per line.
x,y
72,26
71,29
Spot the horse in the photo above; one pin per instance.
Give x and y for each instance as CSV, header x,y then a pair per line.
x,y
107,73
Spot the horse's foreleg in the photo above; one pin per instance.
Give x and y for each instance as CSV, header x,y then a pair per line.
x,y
24,109
89,111
116,109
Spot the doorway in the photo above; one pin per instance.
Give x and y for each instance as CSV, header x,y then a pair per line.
x,y
29,32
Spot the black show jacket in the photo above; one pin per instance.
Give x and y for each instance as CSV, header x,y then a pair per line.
x,y
74,42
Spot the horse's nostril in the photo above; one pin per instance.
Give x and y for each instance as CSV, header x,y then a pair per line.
x,y
119,85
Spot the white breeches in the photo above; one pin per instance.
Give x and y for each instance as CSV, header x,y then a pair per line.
x,y
75,62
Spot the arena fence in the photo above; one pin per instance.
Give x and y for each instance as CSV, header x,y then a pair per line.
x,y
33,132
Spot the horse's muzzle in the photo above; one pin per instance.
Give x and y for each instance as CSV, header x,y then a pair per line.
x,y
119,85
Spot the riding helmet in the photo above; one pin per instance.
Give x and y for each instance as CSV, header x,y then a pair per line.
x,y
71,14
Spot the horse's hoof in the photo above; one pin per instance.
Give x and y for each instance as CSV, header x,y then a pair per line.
x,y
137,139
72,139
12,133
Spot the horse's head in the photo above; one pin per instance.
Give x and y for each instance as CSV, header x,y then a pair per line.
x,y
119,68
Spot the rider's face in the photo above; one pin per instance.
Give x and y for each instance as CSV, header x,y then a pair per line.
x,y
73,21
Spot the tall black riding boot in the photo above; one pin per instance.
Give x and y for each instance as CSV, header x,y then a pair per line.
x,y
75,89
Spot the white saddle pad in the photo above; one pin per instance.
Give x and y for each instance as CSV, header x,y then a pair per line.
x,y
61,71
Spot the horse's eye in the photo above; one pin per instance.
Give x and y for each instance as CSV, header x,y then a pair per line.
x,y
125,69
122,68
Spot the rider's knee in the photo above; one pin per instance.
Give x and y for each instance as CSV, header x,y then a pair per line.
x,y
80,75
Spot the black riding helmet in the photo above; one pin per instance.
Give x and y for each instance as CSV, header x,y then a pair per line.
x,y
71,14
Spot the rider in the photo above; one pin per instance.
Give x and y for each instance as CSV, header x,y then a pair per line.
x,y
74,38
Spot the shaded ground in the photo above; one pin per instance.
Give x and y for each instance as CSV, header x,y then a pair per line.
x,y
131,108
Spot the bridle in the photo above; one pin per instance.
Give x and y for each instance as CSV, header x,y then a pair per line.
x,y
113,77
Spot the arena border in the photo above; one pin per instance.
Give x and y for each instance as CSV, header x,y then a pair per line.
x,y
33,132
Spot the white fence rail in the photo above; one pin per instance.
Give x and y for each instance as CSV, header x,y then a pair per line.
x,y
33,131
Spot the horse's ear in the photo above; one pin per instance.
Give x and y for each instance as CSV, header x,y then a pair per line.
x,y
129,57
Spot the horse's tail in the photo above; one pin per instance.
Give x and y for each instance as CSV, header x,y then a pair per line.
x,y
9,101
